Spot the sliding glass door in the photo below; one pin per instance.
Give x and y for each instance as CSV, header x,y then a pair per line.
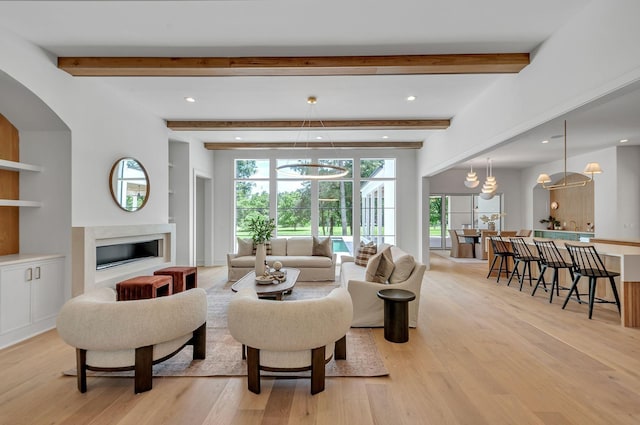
x,y
456,212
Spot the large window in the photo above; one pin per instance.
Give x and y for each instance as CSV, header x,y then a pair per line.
x,y
319,207
378,200
459,212
252,192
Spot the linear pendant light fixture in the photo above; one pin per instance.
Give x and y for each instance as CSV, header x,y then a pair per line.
x,y
311,171
591,168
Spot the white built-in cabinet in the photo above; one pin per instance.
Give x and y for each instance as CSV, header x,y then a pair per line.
x,y
31,294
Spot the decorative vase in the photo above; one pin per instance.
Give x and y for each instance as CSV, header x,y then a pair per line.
x,y
491,225
261,256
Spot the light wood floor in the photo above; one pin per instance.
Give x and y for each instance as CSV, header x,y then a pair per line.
x,y
482,354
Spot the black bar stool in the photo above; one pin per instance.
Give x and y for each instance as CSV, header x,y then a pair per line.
x,y
500,250
587,263
522,254
551,258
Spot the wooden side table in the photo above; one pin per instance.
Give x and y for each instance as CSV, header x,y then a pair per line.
x,y
183,277
143,287
396,313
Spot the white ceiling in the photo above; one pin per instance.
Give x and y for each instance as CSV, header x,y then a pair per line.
x,y
306,28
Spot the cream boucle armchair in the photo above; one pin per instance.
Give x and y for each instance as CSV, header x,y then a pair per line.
x,y
290,335
132,335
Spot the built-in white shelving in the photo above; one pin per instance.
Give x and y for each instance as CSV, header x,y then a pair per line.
x,y
19,203
18,166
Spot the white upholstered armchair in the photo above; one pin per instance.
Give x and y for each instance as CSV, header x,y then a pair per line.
x,y
132,335
290,335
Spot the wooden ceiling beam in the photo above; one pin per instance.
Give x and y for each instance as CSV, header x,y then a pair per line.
x,y
491,63
311,145
212,125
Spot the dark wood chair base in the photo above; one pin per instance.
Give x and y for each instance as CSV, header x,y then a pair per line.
x,y
143,367
317,367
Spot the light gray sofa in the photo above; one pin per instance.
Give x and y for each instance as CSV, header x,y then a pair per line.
x,y
295,252
368,309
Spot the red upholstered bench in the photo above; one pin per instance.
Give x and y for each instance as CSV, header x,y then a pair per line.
x,y
183,277
143,287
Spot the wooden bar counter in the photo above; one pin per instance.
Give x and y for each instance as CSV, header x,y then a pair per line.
x,y
624,259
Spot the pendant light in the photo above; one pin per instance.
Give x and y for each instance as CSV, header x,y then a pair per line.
x,y
311,171
490,184
472,179
591,168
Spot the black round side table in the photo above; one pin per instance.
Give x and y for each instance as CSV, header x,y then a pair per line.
x,y
396,313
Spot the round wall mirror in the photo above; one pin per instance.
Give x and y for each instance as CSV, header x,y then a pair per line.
x,y
129,184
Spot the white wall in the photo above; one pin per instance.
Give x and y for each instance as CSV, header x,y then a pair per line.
x,y
605,194
627,218
104,126
594,54
407,195
190,208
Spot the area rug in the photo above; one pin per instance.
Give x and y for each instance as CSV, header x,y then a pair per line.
x,y
224,353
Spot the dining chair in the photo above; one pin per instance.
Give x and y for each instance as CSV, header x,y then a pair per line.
x,y
551,258
524,233
587,263
500,250
522,254
460,249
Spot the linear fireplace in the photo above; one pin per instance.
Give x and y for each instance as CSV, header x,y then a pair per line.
x,y
116,255
106,255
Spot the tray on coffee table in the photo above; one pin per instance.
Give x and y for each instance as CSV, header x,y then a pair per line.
x,y
273,290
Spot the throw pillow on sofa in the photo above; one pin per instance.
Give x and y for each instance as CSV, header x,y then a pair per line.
x,y
404,266
380,267
365,252
245,247
279,246
322,247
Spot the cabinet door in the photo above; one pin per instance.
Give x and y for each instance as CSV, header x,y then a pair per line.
x,y
47,289
15,298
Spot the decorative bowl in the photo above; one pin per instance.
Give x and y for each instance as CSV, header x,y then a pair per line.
x,y
264,280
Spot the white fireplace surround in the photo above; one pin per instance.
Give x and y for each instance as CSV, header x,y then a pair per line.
x,y
86,239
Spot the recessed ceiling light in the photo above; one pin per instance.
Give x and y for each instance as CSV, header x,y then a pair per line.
x,y
624,140
190,99
238,138
411,98
545,142
385,137
318,137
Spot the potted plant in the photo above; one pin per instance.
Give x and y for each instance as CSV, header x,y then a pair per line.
x,y
553,222
261,229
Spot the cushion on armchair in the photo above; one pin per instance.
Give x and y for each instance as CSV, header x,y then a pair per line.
x,y
365,252
404,265
380,267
